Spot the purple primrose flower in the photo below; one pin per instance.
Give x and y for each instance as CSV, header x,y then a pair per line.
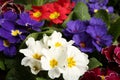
x,y
83,41
8,48
98,31
25,20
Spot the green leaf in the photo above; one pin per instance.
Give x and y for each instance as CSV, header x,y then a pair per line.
x,y
69,18
104,16
94,63
115,29
2,66
28,7
10,62
81,11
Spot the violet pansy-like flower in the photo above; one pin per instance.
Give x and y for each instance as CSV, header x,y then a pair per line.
x,y
7,20
25,20
7,48
98,31
14,35
76,26
84,42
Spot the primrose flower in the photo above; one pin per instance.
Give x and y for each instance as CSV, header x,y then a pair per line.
x,y
34,65
84,42
8,48
57,13
13,35
76,26
98,31
7,20
56,41
34,49
33,55
53,61
25,20
101,74
38,13
75,64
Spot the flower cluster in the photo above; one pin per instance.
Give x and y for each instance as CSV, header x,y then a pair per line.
x,y
59,40
13,30
55,12
56,55
95,5
88,36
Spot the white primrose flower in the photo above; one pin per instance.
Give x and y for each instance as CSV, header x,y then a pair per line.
x,y
75,64
53,62
34,65
34,49
56,41
33,54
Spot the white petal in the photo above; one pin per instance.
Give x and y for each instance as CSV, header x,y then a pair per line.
x,y
30,41
54,73
25,61
45,63
72,74
34,65
26,52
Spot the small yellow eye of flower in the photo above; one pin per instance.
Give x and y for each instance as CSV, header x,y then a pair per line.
x,y
82,44
15,32
37,14
102,77
107,10
71,62
53,63
6,43
35,68
96,10
58,44
37,56
54,15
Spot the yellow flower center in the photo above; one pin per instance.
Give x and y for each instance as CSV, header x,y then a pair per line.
x,y
37,56
71,62
82,44
102,77
58,44
35,68
54,15
95,10
37,14
107,10
6,43
15,32
53,63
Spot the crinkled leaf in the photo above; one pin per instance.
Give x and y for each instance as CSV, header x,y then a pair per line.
x,y
94,63
81,11
103,15
115,29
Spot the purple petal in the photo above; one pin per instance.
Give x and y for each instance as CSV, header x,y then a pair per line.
x,y
10,15
10,51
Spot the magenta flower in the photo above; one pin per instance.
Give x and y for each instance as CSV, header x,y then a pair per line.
x,y
117,54
112,53
101,74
